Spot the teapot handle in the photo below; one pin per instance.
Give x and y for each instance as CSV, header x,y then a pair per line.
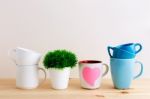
x,y
109,51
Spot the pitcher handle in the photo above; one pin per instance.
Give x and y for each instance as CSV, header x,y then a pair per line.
x,y
141,71
139,46
10,52
42,81
106,71
109,52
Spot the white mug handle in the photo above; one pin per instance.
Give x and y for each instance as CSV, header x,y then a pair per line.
x,y
10,52
107,69
42,81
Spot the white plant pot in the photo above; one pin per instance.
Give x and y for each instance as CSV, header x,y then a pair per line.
x,y
59,77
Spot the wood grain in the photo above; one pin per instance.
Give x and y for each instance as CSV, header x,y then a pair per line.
x,y
140,89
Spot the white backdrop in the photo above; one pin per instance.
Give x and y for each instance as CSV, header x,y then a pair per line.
x,y
85,27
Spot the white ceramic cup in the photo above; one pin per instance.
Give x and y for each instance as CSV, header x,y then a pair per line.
x,y
27,77
91,73
22,56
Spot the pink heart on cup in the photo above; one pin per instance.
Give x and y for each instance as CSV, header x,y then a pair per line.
x,y
90,75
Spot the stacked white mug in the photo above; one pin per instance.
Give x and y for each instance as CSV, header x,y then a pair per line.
x,y
27,68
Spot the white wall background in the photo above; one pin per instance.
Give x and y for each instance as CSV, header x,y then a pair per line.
x,y
86,27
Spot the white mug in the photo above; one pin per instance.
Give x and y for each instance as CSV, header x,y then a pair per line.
x,y
91,73
22,56
27,77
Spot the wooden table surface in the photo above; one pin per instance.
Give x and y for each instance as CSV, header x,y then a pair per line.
x,y
140,89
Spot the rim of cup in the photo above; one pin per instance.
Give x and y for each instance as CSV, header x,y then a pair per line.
x,y
89,62
126,44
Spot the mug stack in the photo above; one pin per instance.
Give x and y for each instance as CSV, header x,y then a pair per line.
x,y
27,67
122,62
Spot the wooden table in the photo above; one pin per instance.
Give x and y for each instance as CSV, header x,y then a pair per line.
x,y
140,90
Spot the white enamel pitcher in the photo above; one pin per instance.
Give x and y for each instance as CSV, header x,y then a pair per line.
x,y
27,74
